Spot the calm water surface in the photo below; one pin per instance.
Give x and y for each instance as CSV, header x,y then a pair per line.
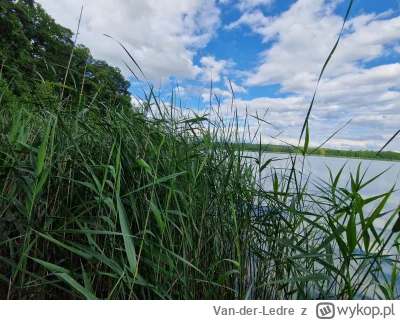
x,y
316,168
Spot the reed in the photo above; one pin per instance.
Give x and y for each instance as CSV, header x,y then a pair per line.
x,y
101,203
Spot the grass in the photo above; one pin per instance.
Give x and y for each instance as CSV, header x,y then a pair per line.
x,y
134,207
105,204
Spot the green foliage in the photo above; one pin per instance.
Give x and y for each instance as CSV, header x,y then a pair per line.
x,y
34,48
123,207
7,98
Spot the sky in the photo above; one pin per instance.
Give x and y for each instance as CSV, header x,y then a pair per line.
x,y
270,51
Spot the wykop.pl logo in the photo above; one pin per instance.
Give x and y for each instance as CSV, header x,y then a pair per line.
x,y
325,310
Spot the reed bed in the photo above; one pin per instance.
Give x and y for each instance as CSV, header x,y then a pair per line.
x,y
131,206
155,203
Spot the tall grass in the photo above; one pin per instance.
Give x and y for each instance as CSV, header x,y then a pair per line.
x,y
134,207
107,204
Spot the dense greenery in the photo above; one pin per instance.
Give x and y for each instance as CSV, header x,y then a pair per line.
x,y
34,56
103,202
125,207
363,154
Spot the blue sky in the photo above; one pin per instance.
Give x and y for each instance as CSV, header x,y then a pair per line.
x,y
272,51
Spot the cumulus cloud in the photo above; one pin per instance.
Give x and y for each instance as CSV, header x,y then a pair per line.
x,y
303,36
162,36
245,5
298,42
212,69
180,91
236,88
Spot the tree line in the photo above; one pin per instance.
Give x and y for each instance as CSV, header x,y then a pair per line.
x,y
34,55
363,154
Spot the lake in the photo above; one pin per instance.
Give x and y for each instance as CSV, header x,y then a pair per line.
x,y
315,168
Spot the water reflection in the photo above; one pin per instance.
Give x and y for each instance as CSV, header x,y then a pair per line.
x,y
315,170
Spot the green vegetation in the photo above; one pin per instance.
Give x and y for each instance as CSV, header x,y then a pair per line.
x,y
100,201
34,55
325,152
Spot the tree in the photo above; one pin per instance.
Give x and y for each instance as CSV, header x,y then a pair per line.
x,y
14,46
34,48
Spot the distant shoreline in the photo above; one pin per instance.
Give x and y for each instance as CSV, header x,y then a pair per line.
x,y
370,155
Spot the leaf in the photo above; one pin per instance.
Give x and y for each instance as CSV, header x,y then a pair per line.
x,y
367,240
370,220
134,61
266,164
351,232
158,216
16,122
59,243
314,150
77,286
222,278
337,232
52,267
144,165
396,227
372,179
158,181
236,263
42,149
127,235
59,85
394,278
86,280
330,238
42,180
195,120
247,296
306,256
307,140
276,185
4,278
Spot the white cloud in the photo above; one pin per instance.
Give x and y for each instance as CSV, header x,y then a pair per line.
x,y
236,88
245,5
254,19
162,36
204,92
216,92
180,91
299,41
303,36
213,69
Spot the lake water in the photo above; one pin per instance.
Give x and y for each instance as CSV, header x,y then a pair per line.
x,y
316,169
